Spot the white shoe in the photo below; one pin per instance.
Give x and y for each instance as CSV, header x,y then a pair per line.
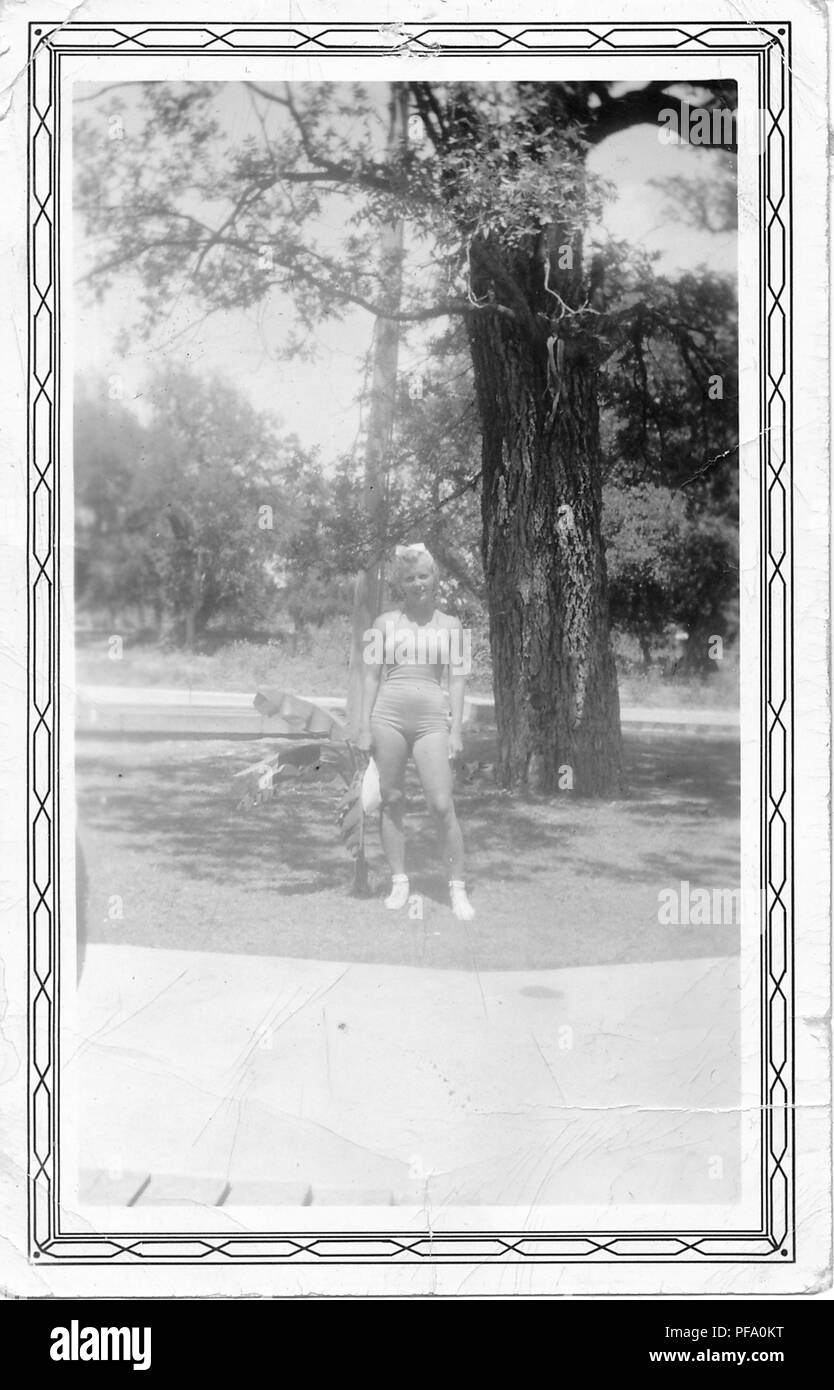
x,y
398,897
461,906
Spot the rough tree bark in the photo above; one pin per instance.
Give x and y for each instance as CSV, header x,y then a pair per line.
x,y
553,669
536,353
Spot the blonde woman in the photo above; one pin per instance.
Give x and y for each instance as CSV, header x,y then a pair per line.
x,y
405,714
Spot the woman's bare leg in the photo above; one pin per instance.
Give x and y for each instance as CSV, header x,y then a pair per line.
x,y
431,756
390,752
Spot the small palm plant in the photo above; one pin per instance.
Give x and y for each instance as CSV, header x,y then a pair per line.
x,y
312,746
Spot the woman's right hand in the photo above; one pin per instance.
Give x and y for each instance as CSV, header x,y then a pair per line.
x,y
364,742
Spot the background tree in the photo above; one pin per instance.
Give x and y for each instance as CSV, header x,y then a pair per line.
x,y
114,567
194,513
370,583
500,188
669,433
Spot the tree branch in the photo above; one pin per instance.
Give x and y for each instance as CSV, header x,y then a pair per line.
x,y
330,170
405,523
616,329
491,266
452,306
643,107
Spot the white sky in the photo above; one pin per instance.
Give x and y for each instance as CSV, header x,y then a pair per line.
x,y
318,401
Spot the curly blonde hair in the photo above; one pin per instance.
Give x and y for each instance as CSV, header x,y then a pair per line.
x,y
406,557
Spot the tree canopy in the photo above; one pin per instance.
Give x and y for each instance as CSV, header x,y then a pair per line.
x,y
586,369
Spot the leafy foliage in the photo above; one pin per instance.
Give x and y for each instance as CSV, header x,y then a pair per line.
x,y
295,204
191,513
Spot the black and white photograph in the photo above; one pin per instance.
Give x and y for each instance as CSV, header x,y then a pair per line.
x,y
388,393
411,439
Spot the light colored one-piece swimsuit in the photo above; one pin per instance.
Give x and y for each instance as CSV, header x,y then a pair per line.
x,y
412,699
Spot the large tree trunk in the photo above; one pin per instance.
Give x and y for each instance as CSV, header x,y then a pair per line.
x,y
553,669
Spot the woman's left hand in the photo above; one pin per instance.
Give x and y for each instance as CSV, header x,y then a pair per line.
x,y
455,744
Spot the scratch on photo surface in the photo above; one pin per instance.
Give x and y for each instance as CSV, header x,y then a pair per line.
x,y
21,73
146,1005
551,1072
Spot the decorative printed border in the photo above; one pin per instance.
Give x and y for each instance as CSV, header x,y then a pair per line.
x,y
770,44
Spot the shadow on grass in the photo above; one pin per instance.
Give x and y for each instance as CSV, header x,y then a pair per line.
x,y
564,881
689,775
183,810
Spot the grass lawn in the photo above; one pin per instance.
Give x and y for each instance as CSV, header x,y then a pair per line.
x,y
561,883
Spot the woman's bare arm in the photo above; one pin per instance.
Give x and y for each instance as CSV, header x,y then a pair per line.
x,y
457,671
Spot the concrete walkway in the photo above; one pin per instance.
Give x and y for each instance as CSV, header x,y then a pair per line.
x,y
233,1080
223,713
